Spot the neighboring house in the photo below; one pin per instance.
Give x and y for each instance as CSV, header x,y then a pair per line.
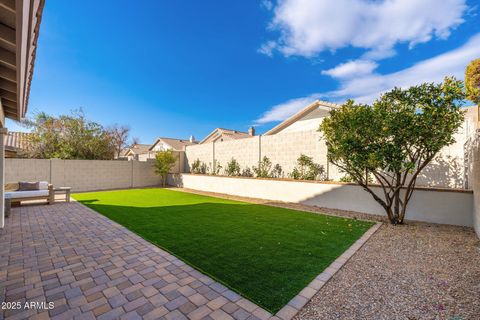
x,y
307,119
163,144
220,134
15,144
137,151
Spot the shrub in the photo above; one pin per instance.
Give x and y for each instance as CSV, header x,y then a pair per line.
x,y
198,167
247,172
306,169
263,169
215,168
277,171
164,161
232,168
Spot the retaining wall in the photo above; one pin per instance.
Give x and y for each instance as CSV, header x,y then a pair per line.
x,y
453,207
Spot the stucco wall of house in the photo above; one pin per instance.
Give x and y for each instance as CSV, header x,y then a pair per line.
x,y
84,175
446,207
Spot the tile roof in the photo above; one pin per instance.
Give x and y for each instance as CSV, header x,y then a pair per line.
x,y
228,133
16,140
176,144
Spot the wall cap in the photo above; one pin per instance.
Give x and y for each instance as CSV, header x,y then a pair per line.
x,y
437,189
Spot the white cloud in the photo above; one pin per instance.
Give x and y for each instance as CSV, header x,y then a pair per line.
x,y
351,68
284,110
368,86
267,4
267,48
308,27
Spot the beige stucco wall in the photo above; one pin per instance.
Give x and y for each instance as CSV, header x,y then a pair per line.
x,y
446,207
83,175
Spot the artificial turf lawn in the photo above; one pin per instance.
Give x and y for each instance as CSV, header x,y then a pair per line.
x,y
267,254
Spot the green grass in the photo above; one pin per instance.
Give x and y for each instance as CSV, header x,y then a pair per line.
x,y
265,253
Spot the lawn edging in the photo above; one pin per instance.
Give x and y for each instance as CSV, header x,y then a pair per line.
x,y
291,309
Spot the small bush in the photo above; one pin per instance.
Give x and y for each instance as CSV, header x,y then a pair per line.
x,y
263,169
214,169
198,167
232,168
277,171
247,172
346,178
306,169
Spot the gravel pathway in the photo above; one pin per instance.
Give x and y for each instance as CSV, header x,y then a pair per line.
x,y
413,271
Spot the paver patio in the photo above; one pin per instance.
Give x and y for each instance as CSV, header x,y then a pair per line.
x,y
92,267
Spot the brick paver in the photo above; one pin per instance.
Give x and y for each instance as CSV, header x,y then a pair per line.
x,y
91,267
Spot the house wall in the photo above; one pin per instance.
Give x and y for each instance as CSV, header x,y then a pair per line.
x,y
446,207
85,175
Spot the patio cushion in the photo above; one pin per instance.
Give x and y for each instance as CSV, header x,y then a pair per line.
x,y
26,194
28,186
43,185
13,186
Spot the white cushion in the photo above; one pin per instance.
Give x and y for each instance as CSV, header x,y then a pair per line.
x,y
25,194
43,185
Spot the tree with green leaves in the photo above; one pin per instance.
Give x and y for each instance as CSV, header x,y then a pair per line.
x,y
394,139
68,137
472,81
164,161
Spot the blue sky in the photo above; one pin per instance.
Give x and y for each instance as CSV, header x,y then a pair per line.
x,y
181,68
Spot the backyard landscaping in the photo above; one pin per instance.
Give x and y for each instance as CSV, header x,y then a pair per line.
x,y
267,254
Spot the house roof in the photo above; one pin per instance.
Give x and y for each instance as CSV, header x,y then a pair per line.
x,y
19,29
228,133
176,144
302,113
16,140
138,149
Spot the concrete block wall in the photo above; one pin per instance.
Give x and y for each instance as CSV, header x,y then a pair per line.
x,y
27,170
245,151
83,175
286,148
447,170
203,152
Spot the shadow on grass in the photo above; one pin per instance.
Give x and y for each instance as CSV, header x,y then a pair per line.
x,y
267,254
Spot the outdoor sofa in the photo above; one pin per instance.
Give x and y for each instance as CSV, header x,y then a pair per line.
x,y
23,191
